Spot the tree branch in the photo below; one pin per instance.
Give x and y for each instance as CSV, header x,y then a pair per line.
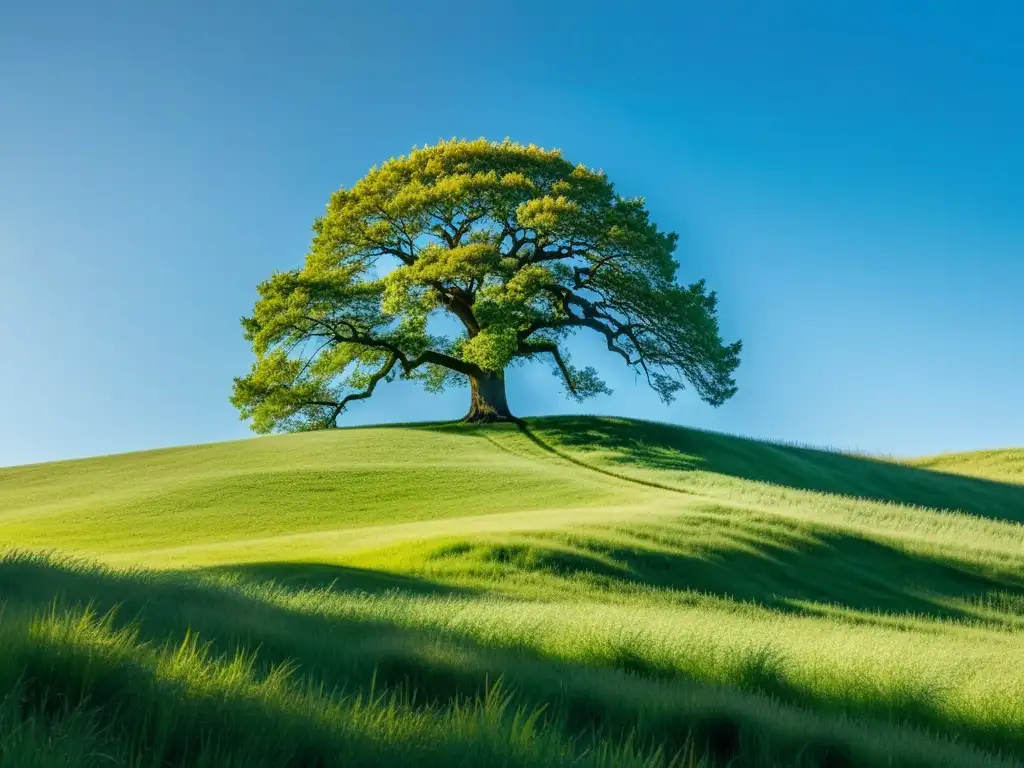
x,y
562,252
581,275
460,302
398,253
408,366
596,319
384,371
592,318
399,229
549,347
312,358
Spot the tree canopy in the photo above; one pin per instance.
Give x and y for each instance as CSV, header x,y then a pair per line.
x,y
519,246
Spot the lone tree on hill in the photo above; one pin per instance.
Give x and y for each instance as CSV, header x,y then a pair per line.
x,y
519,246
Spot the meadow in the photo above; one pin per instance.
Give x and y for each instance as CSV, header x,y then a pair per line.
x,y
588,591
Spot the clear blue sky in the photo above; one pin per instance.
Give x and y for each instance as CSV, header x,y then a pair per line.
x,y
849,176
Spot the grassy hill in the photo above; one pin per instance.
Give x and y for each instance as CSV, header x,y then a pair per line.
x,y
589,592
1005,465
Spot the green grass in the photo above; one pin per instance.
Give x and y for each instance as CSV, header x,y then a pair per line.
x,y
592,592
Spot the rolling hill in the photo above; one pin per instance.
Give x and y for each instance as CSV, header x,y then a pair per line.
x,y
590,591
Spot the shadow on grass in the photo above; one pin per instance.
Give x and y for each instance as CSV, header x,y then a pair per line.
x,y
337,578
361,654
774,564
616,693
649,445
790,569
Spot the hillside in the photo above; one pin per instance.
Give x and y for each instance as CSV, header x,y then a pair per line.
x,y
1006,465
592,592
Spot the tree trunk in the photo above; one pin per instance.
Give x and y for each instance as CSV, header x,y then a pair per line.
x,y
487,403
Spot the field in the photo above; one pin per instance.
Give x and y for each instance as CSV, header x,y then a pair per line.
x,y
589,591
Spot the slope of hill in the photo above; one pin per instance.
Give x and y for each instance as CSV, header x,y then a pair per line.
x,y
590,592
1006,465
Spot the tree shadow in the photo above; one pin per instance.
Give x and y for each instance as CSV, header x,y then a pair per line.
x,y
779,566
788,570
650,445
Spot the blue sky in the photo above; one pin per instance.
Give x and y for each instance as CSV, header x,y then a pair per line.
x,y
849,176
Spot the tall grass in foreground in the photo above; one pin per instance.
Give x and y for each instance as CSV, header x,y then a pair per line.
x,y
193,671
88,694
82,692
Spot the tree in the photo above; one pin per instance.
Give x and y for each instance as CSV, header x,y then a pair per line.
x,y
519,248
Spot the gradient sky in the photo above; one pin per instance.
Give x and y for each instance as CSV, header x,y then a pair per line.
x,y
849,176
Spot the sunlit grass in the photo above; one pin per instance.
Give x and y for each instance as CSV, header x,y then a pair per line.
x,y
595,592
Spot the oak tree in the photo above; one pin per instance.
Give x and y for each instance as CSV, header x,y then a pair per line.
x,y
520,248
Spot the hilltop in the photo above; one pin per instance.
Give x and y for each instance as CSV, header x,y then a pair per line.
x,y
643,592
